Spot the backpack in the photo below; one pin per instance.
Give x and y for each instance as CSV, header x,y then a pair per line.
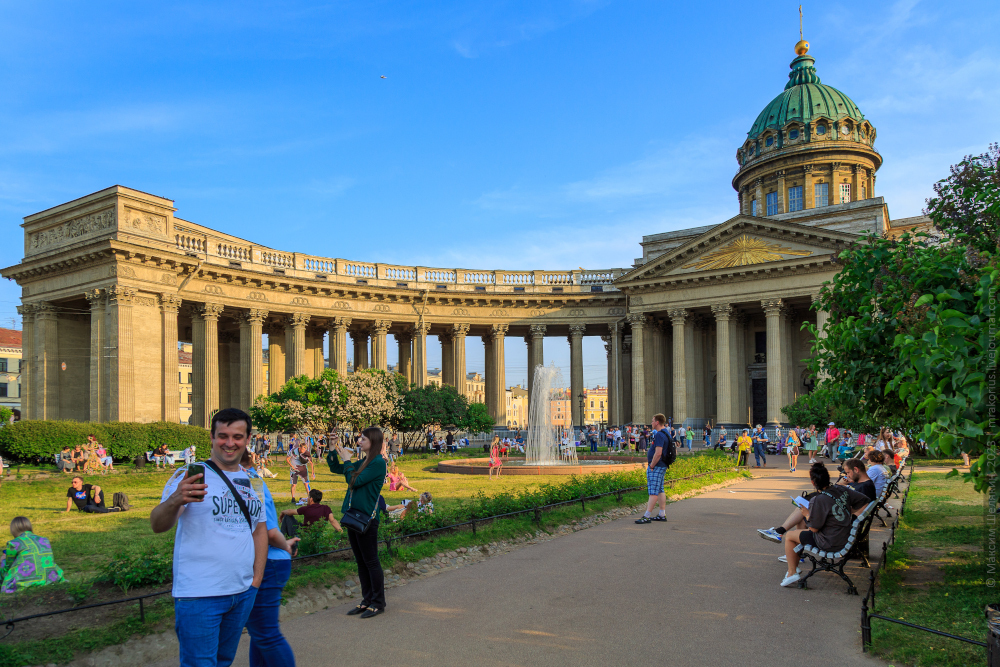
x,y
670,455
120,500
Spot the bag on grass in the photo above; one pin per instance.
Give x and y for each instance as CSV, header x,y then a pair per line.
x,y
120,500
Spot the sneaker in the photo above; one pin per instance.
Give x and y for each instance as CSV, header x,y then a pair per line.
x,y
770,534
659,518
783,559
644,519
790,579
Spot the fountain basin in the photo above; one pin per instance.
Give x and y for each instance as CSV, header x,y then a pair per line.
x,y
515,465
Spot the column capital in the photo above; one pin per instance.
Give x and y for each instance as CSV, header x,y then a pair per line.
x,y
808,169
637,319
297,320
780,173
121,295
772,307
678,316
210,311
446,336
420,328
500,330
459,329
577,330
614,328
835,166
339,323
381,327
359,334
95,298
403,336
722,311
253,316
169,303
537,330
857,169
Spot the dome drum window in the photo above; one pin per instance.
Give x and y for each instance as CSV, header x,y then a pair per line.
x,y
821,129
793,134
769,141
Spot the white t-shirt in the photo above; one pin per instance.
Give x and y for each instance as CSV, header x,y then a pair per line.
x,y
213,547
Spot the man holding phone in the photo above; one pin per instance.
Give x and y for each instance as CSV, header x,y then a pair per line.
x,y
220,548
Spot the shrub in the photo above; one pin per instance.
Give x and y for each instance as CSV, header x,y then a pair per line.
x,y
146,568
28,440
317,538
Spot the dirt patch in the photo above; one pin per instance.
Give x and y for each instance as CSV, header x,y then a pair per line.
x,y
927,565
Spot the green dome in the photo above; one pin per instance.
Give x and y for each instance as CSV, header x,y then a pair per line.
x,y
804,100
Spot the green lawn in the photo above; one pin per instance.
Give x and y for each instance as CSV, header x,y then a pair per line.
x,y
935,577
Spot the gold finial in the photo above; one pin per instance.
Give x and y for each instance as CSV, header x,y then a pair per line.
x,y
802,46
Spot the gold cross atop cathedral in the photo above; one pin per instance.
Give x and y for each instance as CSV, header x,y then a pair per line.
x,y
800,23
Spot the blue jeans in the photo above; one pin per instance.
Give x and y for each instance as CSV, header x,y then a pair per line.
x,y
209,629
268,647
759,452
593,446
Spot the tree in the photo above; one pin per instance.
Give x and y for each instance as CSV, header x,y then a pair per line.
x,y
478,419
372,399
433,405
907,341
303,405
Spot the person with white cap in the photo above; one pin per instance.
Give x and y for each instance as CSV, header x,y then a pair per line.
x,y
832,439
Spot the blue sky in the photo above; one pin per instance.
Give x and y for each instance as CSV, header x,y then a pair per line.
x,y
506,135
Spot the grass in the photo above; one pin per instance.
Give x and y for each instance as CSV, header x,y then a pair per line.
x,y
935,577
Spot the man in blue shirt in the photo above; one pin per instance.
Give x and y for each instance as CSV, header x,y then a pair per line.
x,y
657,460
759,446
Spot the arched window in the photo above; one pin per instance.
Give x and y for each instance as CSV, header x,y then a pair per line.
x,y
793,134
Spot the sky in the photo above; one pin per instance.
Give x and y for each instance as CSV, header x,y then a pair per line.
x,y
505,135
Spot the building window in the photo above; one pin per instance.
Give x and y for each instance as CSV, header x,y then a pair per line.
x,y
793,134
602,405
769,141
821,129
795,198
3,389
190,397
772,203
753,207
591,404
845,193
820,192
864,192
180,377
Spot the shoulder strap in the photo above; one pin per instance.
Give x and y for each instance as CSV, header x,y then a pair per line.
x,y
236,494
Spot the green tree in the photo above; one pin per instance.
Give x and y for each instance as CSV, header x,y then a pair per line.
x,y
372,399
478,419
303,405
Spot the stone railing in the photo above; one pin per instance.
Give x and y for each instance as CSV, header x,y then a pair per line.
x,y
215,248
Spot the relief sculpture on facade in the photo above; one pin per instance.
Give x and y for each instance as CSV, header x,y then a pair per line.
x,y
87,224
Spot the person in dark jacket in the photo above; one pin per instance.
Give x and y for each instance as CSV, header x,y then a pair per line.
x,y
364,485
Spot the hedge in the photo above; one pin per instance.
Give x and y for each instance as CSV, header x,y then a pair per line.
x,y
32,440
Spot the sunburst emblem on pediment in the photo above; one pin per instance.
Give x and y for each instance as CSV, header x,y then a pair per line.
x,y
743,251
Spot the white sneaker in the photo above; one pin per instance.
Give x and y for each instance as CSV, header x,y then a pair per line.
x,y
770,534
790,579
783,559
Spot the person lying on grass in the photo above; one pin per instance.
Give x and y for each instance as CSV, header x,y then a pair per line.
x,y
88,498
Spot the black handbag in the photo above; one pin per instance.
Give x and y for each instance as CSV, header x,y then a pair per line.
x,y
357,520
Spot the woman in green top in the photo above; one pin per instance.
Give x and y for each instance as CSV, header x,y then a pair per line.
x,y
364,484
27,560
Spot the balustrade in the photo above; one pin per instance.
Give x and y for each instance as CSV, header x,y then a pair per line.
x,y
399,273
439,275
279,259
234,252
480,277
187,242
518,278
359,270
319,265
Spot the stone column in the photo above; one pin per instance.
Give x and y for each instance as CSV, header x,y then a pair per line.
x,y
782,192
759,195
638,321
697,372
360,340
404,342
856,180
614,345
98,377
251,357
489,396
458,332
319,361
447,358
530,378
741,375
625,379
226,340
576,332
170,394
295,345
725,362
379,351
497,383
46,345
338,343
678,318
27,312
275,358
666,366
204,363
536,353
654,369
808,200
775,352
420,353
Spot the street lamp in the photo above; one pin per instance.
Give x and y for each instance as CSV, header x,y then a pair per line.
x,y
583,406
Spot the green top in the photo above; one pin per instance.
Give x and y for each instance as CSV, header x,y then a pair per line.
x,y
805,99
367,487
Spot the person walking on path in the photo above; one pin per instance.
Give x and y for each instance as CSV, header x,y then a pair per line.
x,y
689,437
811,441
268,647
364,485
659,457
832,440
220,548
759,447
792,445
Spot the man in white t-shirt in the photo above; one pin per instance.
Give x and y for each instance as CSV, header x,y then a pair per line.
x,y
220,548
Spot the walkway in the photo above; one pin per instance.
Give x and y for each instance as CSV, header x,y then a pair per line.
x,y
699,590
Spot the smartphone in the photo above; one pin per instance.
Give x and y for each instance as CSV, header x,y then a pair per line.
x,y
196,469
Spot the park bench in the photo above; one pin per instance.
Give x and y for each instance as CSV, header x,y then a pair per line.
x,y
834,561
890,488
171,456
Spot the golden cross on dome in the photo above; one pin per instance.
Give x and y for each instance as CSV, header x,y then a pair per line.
x,y
802,46
743,251
800,23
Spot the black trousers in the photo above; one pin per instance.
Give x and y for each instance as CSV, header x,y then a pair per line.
x,y
365,548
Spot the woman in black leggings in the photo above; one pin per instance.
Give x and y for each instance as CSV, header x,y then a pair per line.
x,y
364,484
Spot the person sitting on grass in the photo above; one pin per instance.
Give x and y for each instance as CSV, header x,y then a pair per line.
x,y
424,505
79,458
311,512
397,480
824,524
88,498
107,463
27,559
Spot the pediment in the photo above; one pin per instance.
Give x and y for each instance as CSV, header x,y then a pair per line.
x,y
740,245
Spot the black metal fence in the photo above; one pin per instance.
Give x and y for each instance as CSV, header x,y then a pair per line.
x,y
388,540
867,616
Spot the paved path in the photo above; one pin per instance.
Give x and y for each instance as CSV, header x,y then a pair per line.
x,y
699,590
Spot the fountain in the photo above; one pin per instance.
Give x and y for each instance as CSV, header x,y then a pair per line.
x,y
544,454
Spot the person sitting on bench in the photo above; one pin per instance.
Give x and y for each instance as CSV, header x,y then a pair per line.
x,y
857,478
311,512
824,522
88,498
